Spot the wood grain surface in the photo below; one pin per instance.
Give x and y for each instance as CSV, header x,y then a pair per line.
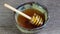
x,y
7,21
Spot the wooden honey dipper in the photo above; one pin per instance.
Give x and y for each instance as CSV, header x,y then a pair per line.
x,y
36,19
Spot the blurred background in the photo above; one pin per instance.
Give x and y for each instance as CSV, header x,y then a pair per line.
x,y
7,21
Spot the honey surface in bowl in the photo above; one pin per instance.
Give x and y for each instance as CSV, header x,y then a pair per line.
x,y
22,21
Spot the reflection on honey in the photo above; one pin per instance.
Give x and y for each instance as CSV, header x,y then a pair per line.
x,y
22,21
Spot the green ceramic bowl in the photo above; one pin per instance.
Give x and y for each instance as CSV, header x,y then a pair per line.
x,y
33,5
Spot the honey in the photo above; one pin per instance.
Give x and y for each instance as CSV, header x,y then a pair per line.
x,y
22,21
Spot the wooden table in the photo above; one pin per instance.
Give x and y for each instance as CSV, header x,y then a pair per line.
x,y
7,21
